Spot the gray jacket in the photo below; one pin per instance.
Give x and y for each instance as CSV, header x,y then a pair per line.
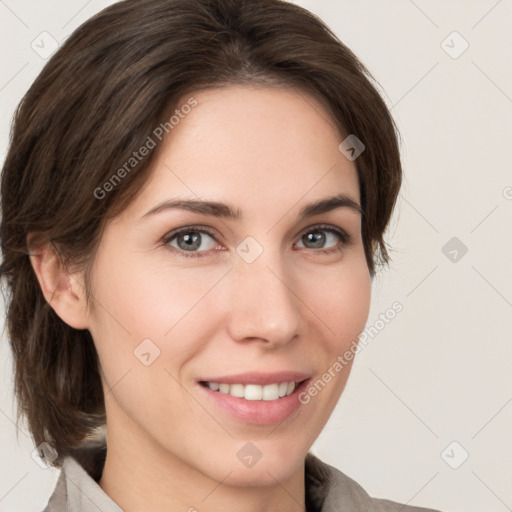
x,y
327,489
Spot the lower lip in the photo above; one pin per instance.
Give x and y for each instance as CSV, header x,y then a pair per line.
x,y
257,412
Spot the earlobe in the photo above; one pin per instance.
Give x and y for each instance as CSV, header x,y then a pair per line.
x,y
61,289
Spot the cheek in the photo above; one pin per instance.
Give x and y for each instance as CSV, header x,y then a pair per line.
x,y
153,310
340,298
145,332
152,300
340,301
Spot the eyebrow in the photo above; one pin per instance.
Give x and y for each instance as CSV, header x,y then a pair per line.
x,y
225,211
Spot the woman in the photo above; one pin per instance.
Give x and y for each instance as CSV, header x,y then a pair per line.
x,y
193,210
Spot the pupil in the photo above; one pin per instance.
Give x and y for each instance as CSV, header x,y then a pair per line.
x,y
316,237
192,241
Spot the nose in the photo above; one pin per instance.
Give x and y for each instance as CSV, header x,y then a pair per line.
x,y
264,305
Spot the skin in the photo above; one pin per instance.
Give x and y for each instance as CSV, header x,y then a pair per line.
x,y
269,152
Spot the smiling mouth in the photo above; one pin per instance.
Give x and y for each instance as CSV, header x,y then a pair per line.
x,y
268,392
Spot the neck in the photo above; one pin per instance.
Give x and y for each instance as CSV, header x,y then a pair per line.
x,y
141,475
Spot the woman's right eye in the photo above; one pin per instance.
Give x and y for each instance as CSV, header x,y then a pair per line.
x,y
192,241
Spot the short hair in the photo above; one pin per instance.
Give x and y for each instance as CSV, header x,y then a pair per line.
x,y
99,98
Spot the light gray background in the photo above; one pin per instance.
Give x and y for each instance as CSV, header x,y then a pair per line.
x,y
440,371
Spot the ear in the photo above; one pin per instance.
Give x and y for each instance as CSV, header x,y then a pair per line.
x,y
63,290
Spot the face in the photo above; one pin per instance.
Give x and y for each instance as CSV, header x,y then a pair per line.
x,y
203,320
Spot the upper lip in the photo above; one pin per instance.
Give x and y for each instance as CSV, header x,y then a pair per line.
x,y
261,378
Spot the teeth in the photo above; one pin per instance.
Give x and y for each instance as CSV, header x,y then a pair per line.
x,y
269,392
237,390
253,392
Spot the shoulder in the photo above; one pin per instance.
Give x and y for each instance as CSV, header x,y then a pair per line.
x,y
58,499
330,490
77,488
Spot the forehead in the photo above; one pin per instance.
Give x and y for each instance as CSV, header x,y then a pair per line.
x,y
249,146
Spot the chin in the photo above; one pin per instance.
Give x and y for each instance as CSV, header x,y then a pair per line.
x,y
262,474
272,462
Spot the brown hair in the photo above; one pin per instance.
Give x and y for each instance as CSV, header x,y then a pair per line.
x,y
96,101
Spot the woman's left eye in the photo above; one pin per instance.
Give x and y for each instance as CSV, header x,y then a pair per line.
x,y
191,240
316,236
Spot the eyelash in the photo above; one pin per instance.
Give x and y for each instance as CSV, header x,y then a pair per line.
x,y
343,235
